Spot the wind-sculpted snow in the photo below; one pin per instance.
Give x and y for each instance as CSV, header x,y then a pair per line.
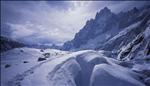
x,y
108,75
87,62
66,69
42,74
65,74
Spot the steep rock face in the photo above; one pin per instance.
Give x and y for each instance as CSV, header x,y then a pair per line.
x,y
95,27
105,26
126,36
7,44
139,47
137,52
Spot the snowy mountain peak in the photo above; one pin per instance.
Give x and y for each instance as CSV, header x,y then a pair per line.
x,y
104,12
105,26
135,9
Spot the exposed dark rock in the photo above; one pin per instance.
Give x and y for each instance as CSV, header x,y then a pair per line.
x,y
41,59
46,55
21,51
126,64
25,62
7,66
42,50
147,81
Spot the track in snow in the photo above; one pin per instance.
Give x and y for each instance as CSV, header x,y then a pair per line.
x,y
18,78
32,73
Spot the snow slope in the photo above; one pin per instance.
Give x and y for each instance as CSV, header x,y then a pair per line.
x,y
8,44
107,75
21,61
62,68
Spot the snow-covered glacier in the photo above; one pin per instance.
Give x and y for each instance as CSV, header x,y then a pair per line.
x,y
80,68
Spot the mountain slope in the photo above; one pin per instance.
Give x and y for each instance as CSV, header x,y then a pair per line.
x,y
126,35
104,27
7,44
94,28
138,48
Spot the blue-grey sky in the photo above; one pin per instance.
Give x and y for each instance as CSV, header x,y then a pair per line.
x,y
46,22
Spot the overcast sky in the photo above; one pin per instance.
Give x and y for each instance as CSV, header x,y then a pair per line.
x,y
46,22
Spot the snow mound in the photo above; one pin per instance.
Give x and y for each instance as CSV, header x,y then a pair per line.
x,y
107,75
91,57
87,62
66,75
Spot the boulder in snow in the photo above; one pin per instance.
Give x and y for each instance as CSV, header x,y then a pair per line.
x,y
41,59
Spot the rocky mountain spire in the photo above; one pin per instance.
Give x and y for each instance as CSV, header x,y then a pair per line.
x,y
102,28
